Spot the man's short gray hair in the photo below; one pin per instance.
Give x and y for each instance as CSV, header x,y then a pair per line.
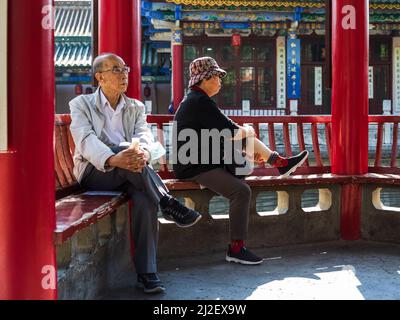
x,y
99,60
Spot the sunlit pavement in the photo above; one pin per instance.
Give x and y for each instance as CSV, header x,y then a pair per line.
x,y
354,270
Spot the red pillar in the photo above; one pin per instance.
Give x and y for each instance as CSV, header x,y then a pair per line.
x,y
350,104
27,204
120,32
177,68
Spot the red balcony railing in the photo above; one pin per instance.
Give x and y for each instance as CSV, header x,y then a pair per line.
x,y
319,162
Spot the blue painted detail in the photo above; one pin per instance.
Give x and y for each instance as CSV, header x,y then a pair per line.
x,y
293,68
228,25
146,22
146,5
160,15
171,108
165,71
297,14
160,44
151,31
178,12
177,36
74,79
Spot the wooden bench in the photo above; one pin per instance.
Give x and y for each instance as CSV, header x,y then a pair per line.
x,y
76,208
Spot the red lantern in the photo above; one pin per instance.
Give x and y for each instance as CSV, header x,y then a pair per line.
x,y
78,89
236,40
147,91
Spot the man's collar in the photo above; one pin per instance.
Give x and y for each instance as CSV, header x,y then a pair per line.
x,y
104,101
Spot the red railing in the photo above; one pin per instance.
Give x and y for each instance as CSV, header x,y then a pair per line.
x,y
316,163
381,121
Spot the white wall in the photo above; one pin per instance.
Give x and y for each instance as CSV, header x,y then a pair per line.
x,y
3,74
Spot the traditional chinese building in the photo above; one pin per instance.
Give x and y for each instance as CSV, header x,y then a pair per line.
x,y
276,53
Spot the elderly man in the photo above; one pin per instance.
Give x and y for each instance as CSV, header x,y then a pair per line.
x,y
101,124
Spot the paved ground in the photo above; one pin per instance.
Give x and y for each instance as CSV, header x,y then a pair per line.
x,y
353,270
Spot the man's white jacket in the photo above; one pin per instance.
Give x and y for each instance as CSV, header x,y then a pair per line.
x,y
87,123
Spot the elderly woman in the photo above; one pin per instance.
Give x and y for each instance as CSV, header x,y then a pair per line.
x,y
207,164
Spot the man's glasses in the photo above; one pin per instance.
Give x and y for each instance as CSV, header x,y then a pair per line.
x,y
118,70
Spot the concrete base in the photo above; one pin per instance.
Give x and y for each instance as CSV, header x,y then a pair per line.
x,y
95,258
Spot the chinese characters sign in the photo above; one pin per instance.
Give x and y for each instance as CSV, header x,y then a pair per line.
x,y
370,82
396,77
281,73
293,68
318,86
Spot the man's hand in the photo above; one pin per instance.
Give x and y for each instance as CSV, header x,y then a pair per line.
x,y
146,154
128,159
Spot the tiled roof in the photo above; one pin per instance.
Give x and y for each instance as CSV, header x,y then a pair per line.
x,y
73,19
73,54
73,33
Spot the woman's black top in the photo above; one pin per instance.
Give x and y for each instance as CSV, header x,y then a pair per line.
x,y
197,112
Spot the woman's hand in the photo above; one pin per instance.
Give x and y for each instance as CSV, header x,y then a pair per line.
x,y
258,158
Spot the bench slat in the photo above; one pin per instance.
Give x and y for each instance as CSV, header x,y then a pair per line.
x,y
79,211
328,131
378,156
61,178
266,181
67,151
61,157
300,137
286,140
271,136
378,178
160,136
314,135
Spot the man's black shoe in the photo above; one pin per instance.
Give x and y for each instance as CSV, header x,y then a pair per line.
x,y
293,163
244,256
181,215
150,283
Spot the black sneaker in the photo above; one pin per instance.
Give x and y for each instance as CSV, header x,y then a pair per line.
x,y
244,256
293,163
181,215
150,283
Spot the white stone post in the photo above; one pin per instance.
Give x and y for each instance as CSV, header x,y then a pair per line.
x,y
292,126
387,108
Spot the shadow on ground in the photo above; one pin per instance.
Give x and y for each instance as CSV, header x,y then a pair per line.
x,y
353,270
